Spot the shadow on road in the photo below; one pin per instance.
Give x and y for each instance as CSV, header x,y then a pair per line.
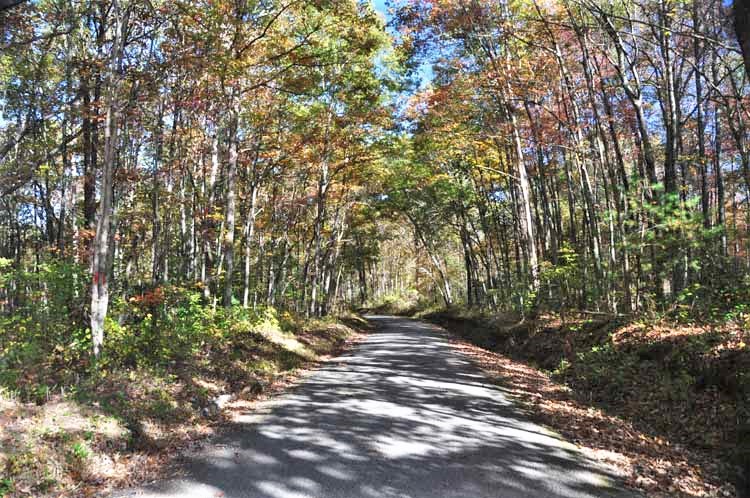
x,y
403,415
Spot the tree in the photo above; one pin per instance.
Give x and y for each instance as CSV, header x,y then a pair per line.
x,y
742,29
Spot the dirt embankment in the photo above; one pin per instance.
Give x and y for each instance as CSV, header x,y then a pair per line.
x,y
663,402
125,426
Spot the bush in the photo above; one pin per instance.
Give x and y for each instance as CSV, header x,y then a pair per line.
x,y
171,324
41,350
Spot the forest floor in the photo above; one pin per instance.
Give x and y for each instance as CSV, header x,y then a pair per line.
x,y
657,400
122,429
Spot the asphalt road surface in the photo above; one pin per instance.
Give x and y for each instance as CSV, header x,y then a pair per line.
x,y
403,415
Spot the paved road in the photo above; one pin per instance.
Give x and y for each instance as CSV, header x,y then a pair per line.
x,y
403,415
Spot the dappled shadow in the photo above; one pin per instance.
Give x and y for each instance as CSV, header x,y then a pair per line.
x,y
633,371
402,415
628,408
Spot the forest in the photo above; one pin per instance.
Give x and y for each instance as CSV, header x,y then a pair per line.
x,y
200,196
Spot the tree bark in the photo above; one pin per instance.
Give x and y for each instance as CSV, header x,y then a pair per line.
x,y
742,29
102,247
231,204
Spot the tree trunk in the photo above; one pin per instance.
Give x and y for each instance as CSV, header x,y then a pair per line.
x,y
102,247
231,204
742,29
249,232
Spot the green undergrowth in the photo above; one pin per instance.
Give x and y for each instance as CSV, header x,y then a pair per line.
x,y
69,424
687,383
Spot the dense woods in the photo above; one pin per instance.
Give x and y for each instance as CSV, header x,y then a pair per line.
x,y
170,169
220,147
565,155
579,155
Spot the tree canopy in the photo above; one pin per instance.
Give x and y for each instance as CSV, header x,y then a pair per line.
x,y
560,154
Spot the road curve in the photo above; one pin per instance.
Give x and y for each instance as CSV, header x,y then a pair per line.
x,y
403,415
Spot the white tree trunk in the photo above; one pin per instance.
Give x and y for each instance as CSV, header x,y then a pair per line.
x,y
230,206
102,246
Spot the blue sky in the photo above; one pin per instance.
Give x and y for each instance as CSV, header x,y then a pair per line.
x,y
380,7
425,69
